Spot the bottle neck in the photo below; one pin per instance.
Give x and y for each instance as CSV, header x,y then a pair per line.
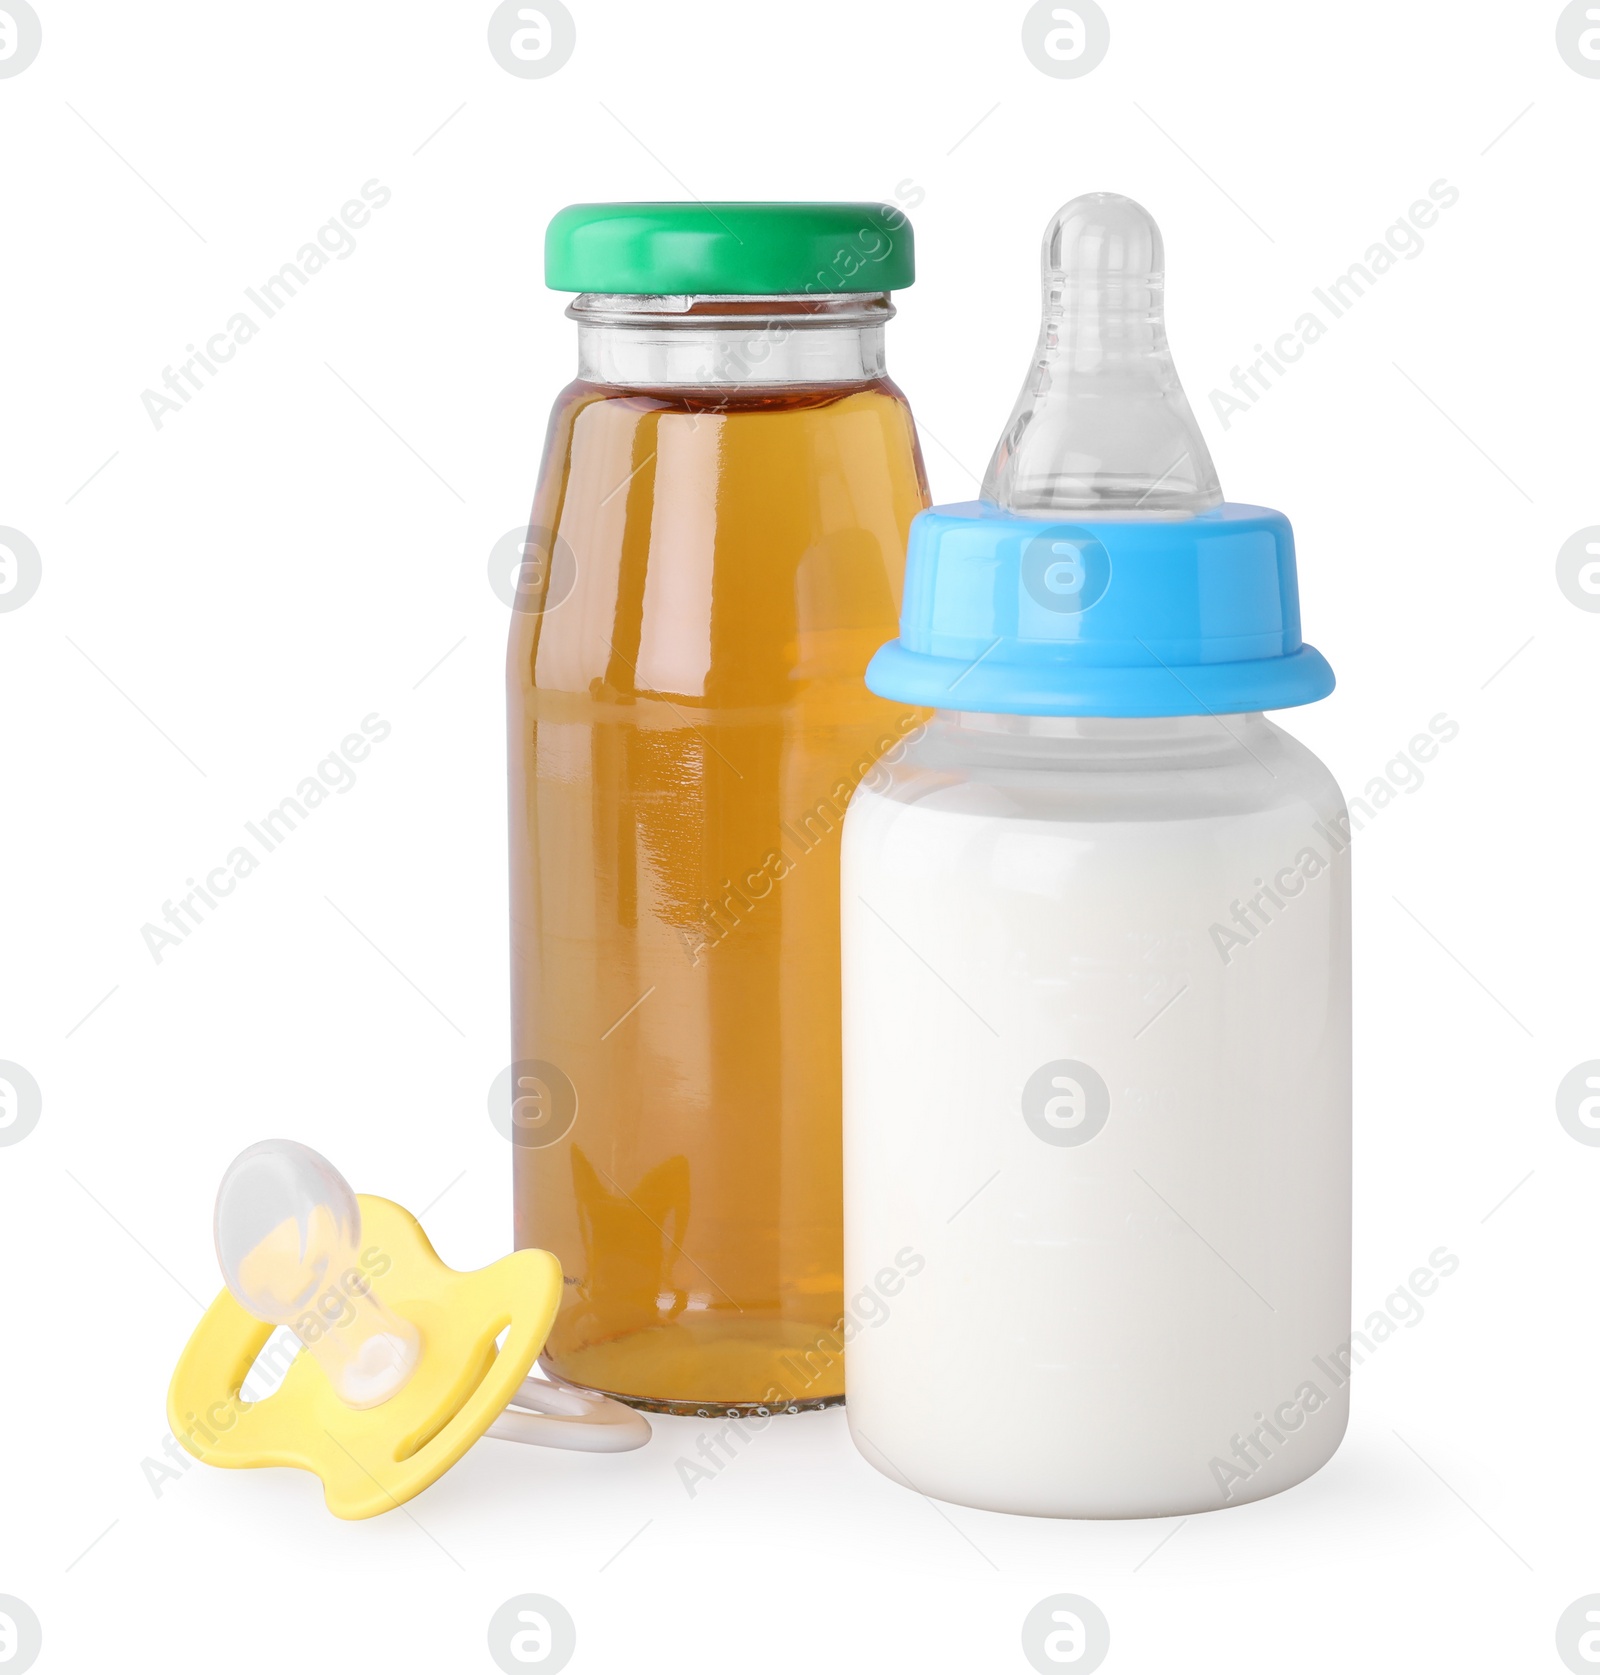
x,y
1112,741
655,341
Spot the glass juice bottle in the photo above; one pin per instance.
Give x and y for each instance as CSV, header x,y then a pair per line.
x,y
715,552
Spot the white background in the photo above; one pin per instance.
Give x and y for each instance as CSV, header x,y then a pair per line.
x,y
227,596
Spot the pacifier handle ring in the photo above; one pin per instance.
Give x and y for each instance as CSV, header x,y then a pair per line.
x,y
564,1416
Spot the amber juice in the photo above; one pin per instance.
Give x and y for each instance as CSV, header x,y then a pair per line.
x,y
711,570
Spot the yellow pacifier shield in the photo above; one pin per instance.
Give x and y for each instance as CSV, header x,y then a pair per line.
x,y
373,1459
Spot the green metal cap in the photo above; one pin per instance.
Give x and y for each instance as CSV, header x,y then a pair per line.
x,y
728,249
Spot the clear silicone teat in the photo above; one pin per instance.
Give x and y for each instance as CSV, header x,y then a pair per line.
x,y
288,1233
1102,424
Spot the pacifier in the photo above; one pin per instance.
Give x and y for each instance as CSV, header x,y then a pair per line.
x,y
407,1362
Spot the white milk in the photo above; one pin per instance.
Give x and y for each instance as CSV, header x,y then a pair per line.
x,y
1107,1102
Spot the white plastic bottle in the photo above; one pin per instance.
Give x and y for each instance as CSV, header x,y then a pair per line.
x,y
1096,937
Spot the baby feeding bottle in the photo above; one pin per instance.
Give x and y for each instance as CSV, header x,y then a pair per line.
x,y
1096,942
715,553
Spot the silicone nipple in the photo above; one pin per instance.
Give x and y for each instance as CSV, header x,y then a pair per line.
x,y
288,1233
1102,424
